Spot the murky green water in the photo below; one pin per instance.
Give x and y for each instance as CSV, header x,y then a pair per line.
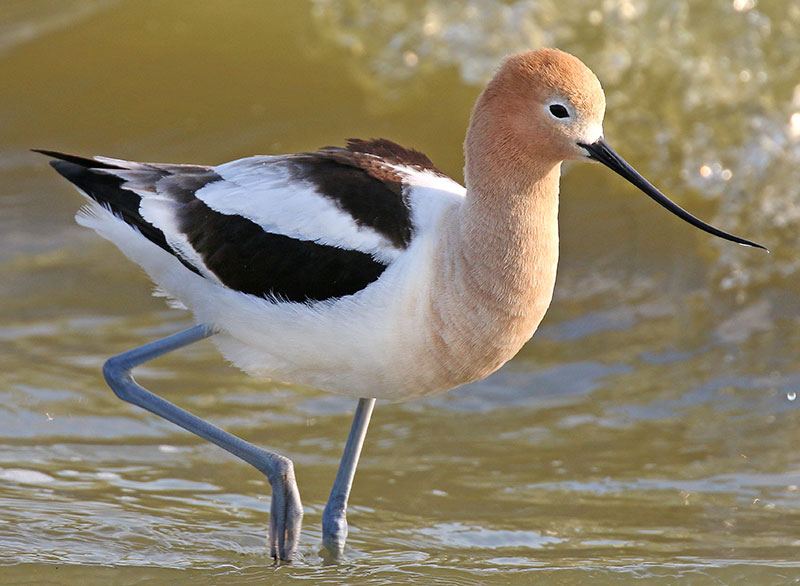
x,y
650,429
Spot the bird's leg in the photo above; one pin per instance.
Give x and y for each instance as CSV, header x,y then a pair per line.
x,y
334,517
286,511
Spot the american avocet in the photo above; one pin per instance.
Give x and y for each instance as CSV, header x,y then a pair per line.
x,y
362,270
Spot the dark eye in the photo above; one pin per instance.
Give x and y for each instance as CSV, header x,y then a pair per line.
x,y
559,111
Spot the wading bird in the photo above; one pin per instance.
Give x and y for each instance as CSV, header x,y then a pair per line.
x,y
362,270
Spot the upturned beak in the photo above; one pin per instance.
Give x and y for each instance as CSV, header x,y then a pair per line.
x,y
600,151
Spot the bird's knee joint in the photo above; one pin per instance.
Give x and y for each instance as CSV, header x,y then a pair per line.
x,y
113,369
116,371
281,470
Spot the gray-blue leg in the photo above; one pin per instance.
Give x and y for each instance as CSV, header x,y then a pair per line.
x,y
334,517
286,511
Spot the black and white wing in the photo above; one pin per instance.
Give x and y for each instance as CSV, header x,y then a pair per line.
x,y
304,227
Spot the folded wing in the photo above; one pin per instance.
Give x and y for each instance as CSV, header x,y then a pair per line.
x,y
304,227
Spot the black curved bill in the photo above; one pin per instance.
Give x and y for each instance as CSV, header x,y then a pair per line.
x,y
600,151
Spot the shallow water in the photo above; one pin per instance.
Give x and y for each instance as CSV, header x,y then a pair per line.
x,y
648,431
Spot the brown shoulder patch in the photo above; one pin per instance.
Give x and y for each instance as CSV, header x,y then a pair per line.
x,y
393,153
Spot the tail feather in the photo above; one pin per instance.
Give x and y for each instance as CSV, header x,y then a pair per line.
x,y
90,176
76,160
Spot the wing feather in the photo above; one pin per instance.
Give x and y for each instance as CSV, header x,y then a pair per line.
x,y
302,228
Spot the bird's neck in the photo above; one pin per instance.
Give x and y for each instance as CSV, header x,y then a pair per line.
x,y
500,251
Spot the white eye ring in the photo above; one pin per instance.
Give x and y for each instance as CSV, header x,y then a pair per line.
x,y
559,111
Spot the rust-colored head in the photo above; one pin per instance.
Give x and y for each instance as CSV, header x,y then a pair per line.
x,y
543,107
545,102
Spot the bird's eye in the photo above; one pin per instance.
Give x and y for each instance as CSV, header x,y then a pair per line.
x,y
559,111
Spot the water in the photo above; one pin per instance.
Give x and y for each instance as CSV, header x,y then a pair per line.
x,y
649,430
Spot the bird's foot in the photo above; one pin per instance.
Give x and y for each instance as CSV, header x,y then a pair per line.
x,y
286,511
334,530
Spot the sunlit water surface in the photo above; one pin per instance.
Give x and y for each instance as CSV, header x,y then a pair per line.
x,y
650,429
